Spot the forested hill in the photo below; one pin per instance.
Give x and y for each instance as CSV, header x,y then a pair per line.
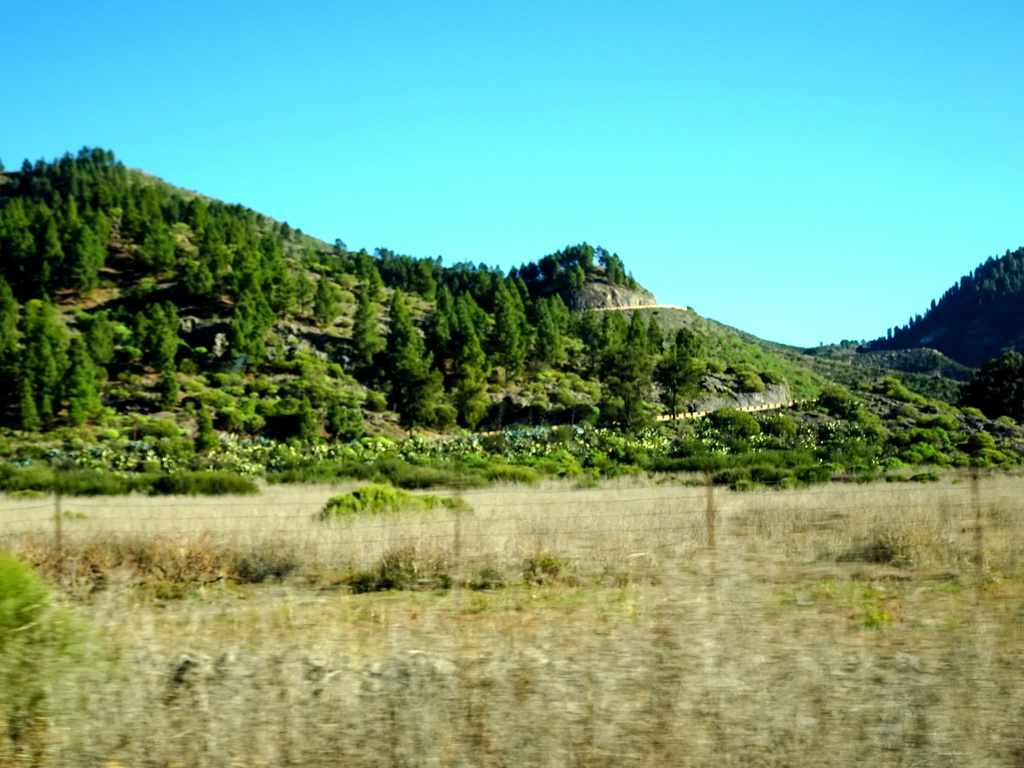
x,y
978,318
122,297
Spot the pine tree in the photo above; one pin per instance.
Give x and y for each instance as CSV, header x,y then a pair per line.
x,y
627,371
51,253
29,414
366,338
507,343
44,360
369,275
470,397
250,325
655,337
325,302
415,390
99,338
81,384
679,370
156,332
441,325
423,281
168,390
157,250
550,348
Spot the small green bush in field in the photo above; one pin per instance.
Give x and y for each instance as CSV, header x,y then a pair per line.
x,y
381,499
511,473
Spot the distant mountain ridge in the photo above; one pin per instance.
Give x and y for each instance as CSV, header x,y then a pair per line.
x,y
977,319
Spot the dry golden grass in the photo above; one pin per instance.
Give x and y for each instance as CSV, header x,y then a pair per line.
x,y
872,624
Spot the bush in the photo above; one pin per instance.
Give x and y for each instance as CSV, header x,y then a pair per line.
x,y
735,423
508,473
92,482
839,402
381,499
33,638
31,478
978,442
781,425
216,483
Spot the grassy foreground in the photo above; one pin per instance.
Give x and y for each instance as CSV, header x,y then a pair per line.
x,y
552,626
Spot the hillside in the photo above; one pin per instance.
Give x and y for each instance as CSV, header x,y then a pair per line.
x,y
148,329
977,319
127,296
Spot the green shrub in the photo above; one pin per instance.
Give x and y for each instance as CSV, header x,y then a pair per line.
x,y
839,402
34,639
214,483
780,425
894,388
734,422
92,482
813,474
510,473
32,478
382,499
978,442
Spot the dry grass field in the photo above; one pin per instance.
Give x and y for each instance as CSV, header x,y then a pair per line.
x,y
875,625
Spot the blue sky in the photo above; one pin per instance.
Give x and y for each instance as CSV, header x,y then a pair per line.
x,y
805,171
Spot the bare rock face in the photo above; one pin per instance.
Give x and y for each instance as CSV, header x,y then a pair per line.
x,y
721,393
606,296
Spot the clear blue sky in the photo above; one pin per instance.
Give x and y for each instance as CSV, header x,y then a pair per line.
x,y
806,171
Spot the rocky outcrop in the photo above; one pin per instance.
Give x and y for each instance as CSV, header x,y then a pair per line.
x,y
606,296
720,392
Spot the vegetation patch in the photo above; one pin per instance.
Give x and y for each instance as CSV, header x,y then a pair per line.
x,y
384,499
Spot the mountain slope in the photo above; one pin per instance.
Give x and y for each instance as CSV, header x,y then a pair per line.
x,y
978,318
126,297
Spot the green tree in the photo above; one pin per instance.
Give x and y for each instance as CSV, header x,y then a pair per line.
x,y
156,332
550,347
997,389
344,423
577,277
157,250
366,338
369,275
415,389
86,256
197,281
100,338
81,390
206,438
51,253
679,372
44,358
325,302
167,390
655,336
627,376
507,342
441,325
423,281
251,322
470,396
